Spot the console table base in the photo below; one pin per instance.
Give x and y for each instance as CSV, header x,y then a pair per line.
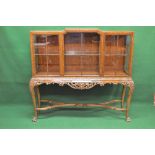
x,y
126,82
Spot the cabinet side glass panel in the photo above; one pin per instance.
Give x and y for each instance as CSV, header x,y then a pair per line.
x,y
117,50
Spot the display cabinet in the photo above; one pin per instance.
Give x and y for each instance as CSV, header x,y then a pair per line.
x,y
81,58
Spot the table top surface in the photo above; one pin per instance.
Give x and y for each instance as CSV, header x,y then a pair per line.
x,y
79,79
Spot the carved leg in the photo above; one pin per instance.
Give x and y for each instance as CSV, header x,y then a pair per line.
x,y
32,87
123,96
128,105
38,95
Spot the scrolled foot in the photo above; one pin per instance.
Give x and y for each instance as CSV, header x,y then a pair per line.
x,y
128,119
34,119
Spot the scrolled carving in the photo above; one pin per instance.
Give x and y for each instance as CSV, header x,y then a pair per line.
x,y
81,84
129,83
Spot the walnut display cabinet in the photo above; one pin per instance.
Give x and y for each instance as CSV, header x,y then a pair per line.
x,y
81,59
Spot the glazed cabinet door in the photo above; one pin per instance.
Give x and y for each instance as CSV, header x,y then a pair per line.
x,y
46,54
81,53
118,53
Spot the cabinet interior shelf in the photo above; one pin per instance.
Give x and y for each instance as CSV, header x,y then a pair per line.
x,y
115,54
47,54
41,44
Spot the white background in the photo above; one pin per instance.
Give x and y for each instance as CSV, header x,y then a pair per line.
x,y
77,142
77,13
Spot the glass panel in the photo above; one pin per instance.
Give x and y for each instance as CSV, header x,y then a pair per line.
x,y
73,64
72,53
52,44
39,39
53,64
128,41
90,65
72,43
41,64
47,54
40,44
90,54
117,48
90,43
81,53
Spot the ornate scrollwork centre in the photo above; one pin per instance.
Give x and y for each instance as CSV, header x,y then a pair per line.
x,y
81,85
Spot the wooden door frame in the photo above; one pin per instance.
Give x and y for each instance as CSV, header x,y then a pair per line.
x,y
60,38
131,34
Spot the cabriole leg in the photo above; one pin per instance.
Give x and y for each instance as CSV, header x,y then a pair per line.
x,y
128,105
123,96
32,91
38,95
